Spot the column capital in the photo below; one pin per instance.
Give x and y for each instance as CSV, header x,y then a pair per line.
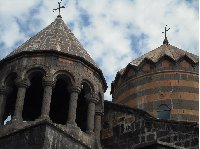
x,y
47,82
3,91
91,97
99,112
76,89
22,83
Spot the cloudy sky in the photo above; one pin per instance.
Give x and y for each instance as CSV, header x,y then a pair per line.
x,y
114,32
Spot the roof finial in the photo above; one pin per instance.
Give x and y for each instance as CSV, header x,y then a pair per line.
x,y
59,7
165,40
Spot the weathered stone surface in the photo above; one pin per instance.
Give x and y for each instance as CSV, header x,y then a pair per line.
x,y
124,127
38,137
52,54
166,75
31,138
157,78
54,139
56,37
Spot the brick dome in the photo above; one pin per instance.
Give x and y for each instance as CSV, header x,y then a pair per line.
x,y
163,82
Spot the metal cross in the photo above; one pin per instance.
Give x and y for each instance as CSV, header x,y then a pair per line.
x,y
166,31
59,7
165,40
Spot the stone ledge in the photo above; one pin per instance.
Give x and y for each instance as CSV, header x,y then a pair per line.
x,y
76,135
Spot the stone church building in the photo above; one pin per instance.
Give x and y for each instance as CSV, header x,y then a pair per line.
x,y
53,92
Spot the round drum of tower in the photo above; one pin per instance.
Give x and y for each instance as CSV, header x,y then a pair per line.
x,y
163,82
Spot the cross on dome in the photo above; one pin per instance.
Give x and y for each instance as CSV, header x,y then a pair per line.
x,y
165,40
59,7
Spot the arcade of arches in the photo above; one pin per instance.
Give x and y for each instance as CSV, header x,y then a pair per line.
x,y
58,100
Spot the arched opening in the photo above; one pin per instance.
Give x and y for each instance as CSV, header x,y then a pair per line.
x,y
82,107
34,96
11,97
163,112
60,100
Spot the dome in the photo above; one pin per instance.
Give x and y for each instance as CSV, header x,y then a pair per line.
x,y
164,50
164,79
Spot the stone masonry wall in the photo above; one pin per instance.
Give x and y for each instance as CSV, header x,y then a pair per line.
x,y
41,136
128,128
166,82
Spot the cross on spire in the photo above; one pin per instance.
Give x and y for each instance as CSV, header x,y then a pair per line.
x,y
165,40
59,7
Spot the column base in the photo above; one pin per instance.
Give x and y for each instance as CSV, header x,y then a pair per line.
x,y
16,120
90,132
44,117
98,145
72,125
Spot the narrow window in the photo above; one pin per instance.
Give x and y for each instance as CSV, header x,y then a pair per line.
x,y
11,98
60,100
163,112
33,98
82,108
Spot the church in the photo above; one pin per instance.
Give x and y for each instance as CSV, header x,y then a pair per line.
x,y
53,91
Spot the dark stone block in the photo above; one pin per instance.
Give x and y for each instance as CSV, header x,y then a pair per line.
x,y
142,139
40,137
54,140
187,144
139,137
32,138
137,125
162,133
150,137
175,138
148,124
178,143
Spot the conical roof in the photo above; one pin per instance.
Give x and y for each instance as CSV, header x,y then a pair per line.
x,y
56,37
164,50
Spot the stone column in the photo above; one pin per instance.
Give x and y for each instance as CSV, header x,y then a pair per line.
x,y
97,129
22,86
2,103
91,99
48,85
75,90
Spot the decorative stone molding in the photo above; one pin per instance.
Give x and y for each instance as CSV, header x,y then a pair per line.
x,y
47,82
22,83
75,89
91,97
3,91
99,113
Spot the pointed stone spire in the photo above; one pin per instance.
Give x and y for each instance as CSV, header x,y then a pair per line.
x,y
55,37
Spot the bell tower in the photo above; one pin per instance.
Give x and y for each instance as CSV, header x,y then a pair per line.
x,y
51,93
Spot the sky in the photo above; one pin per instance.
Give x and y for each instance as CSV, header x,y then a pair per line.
x,y
114,32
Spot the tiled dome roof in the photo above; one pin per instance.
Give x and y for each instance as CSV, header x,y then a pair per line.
x,y
164,50
56,37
